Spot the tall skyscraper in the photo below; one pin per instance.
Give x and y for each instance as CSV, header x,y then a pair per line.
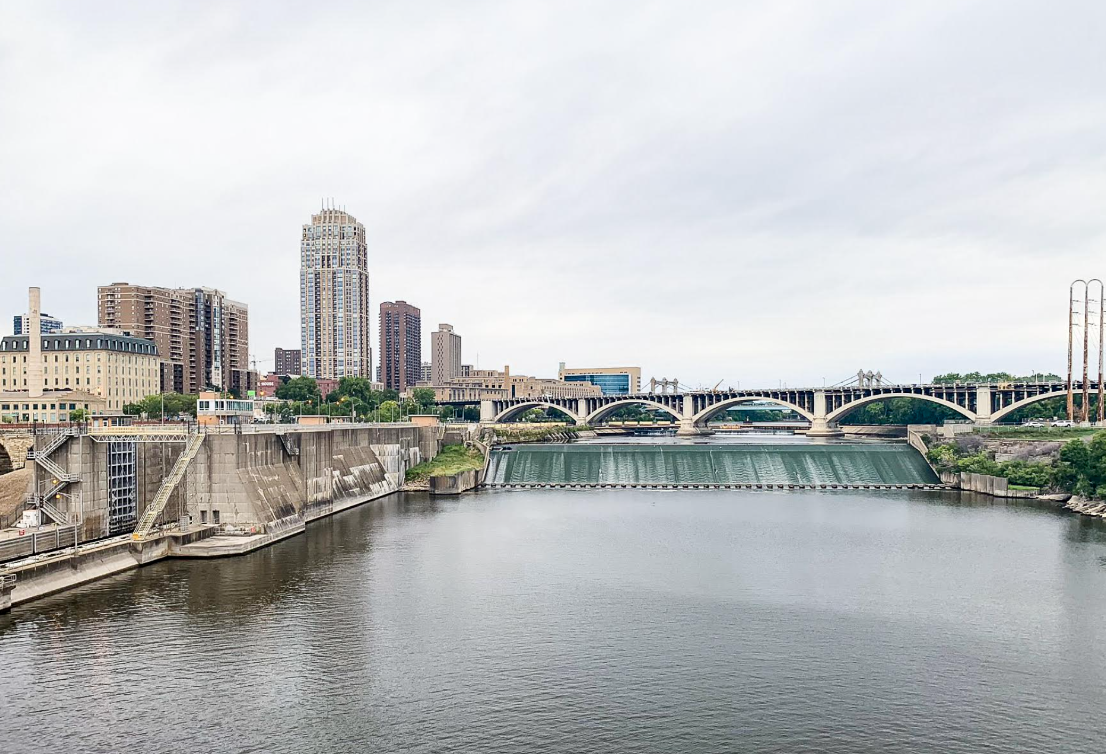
x,y
445,354
400,345
201,334
334,297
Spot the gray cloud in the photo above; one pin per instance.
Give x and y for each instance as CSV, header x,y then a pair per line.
x,y
748,191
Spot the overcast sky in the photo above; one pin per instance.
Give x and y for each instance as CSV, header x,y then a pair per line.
x,y
736,191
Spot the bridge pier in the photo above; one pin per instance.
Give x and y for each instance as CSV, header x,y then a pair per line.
x,y
819,425
688,429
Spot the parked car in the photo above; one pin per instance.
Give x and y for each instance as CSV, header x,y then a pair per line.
x,y
1034,423
1063,423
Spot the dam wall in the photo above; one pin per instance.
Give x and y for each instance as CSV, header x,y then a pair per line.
x,y
742,465
259,477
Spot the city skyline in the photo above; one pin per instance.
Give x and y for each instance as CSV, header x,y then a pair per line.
x,y
807,210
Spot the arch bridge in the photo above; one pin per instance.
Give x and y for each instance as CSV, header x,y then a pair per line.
x,y
822,407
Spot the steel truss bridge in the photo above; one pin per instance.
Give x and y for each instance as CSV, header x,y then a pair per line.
x,y
822,407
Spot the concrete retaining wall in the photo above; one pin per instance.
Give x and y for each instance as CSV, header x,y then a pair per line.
x,y
67,569
454,484
995,486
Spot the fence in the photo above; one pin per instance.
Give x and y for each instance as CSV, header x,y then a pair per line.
x,y
33,543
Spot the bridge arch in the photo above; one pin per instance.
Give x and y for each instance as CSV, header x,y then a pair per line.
x,y
1002,412
706,414
610,408
848,408
512,411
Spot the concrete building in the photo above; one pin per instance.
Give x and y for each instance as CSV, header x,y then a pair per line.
x,y
466,370
117,368
201,335
44,377
612,380
48,324
445,355
334,297
400,345
267,385
426,374
286,361
491,384
327,386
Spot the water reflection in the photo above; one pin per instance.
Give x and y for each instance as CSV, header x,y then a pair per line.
x,y
591,620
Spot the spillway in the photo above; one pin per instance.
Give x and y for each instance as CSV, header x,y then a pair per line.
x,y
737,464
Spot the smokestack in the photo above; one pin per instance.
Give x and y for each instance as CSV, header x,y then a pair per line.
x,y
34,338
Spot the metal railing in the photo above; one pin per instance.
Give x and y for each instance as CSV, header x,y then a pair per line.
x,y
161,499
34,543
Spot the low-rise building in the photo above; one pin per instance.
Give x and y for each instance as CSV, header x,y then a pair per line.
x,y
267,385
217,408
611,380
492,384
53,406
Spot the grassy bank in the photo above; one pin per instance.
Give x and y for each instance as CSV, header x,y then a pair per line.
x,y
452,460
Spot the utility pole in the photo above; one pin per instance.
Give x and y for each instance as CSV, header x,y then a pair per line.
x,y
1101,311
1071,343
1085,410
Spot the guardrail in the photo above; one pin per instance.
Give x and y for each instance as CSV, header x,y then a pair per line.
x,y
34,543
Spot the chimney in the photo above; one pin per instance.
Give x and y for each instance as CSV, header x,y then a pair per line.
x,y
34,340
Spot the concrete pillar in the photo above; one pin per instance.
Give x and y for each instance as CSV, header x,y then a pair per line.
x,y
689,407
7,586
582,409
819,425
487,412
983,404
688,429
34,347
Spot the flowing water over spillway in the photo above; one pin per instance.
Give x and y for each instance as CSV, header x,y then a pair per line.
x,y
738,463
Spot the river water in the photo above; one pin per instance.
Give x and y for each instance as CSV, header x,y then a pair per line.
x,y
589,621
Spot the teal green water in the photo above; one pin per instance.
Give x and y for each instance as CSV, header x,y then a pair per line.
x,y
710,464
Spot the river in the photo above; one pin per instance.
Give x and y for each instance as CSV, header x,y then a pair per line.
x,y
589,620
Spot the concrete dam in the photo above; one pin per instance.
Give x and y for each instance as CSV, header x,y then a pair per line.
x,y
231,493
737,465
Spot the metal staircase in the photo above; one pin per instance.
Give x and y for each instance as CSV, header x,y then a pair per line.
x,y
61,477
57,516
161,499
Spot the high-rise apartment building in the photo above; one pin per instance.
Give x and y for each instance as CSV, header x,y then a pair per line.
x,y
286,361
21,324
400,345
445,354
334,297
202,336
426,373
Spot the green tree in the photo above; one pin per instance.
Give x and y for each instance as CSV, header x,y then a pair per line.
x,y
302,389
389,411
78,415
423,398
175,405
